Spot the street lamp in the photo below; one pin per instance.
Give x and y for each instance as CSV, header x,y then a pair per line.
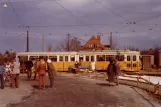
x,y
5,4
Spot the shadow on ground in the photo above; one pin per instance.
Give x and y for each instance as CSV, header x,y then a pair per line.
x,y
103,84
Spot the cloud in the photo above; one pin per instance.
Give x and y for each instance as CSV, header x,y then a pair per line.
x,y
81,12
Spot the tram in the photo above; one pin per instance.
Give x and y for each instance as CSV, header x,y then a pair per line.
x,y
128,60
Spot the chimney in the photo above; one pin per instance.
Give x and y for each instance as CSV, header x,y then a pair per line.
x,y
99,36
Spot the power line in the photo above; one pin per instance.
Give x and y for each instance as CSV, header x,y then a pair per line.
x,y
71,14
68,25
148,18
16,13
111,10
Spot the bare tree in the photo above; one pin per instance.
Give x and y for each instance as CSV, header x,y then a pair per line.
x,y
132,48
69,44
50,48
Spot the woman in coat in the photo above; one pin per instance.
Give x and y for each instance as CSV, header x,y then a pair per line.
x,y
111,72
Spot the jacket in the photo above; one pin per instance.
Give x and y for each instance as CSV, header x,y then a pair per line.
x,y
2,69
16,68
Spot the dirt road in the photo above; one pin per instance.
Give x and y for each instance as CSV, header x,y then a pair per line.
x,y
70,91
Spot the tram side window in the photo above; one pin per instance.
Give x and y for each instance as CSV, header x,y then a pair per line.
x,y
92,58
108,57
128,58
80,58
134,57
128,65
53,58
60,58
120,57
66,58
100,57
87,58
72,58
134,65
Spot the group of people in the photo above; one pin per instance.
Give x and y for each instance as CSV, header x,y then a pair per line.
x,y
113,70
39,66
10,68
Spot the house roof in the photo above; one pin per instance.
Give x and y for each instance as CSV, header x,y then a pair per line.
x,y
93,40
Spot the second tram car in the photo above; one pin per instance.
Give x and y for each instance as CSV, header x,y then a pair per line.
x,y
128,60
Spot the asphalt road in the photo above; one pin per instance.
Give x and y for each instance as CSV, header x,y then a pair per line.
x,y
71,91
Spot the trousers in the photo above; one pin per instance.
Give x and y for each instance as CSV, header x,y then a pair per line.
x,y
42,80
29,73
15,81
1,81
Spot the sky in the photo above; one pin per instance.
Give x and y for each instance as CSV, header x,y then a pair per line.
x,y
80,18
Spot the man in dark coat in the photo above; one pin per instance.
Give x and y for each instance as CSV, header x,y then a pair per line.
x,y
29,65
51,71
112,72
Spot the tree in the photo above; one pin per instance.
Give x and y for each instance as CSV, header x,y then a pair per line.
x,y
69,44
132,48
50,48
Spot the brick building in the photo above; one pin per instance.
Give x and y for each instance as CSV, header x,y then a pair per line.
x,y
94,43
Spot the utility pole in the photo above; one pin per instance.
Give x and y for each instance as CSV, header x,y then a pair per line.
x,y
27,46
111,41
42,43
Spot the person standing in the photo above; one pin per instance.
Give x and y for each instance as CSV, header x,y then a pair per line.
x,y
29,65
111,72
35,67
117,68
42,73
15,73
51,71
2,69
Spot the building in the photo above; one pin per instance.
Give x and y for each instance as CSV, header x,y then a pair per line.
x,y
94,43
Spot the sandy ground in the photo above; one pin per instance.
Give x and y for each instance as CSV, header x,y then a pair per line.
x,y
9,95
71,91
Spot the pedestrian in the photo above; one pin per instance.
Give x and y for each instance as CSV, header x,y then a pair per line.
x,y
111,72
2,69
29,65
117,68
35,68
23,66
15,73
42,73
51,71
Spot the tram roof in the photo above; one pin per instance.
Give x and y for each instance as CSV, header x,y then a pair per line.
x,y
80,52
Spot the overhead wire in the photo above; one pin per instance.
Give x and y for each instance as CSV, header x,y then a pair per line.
x,y
112,10
72,14
16,13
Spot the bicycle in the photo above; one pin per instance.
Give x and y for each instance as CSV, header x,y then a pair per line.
x,y
7,79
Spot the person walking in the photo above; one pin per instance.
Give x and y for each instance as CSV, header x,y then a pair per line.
x,y
15,73
42,73
2,69
111,72
29,65
51,71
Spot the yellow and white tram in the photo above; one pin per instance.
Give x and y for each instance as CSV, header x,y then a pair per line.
x,y
128,60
